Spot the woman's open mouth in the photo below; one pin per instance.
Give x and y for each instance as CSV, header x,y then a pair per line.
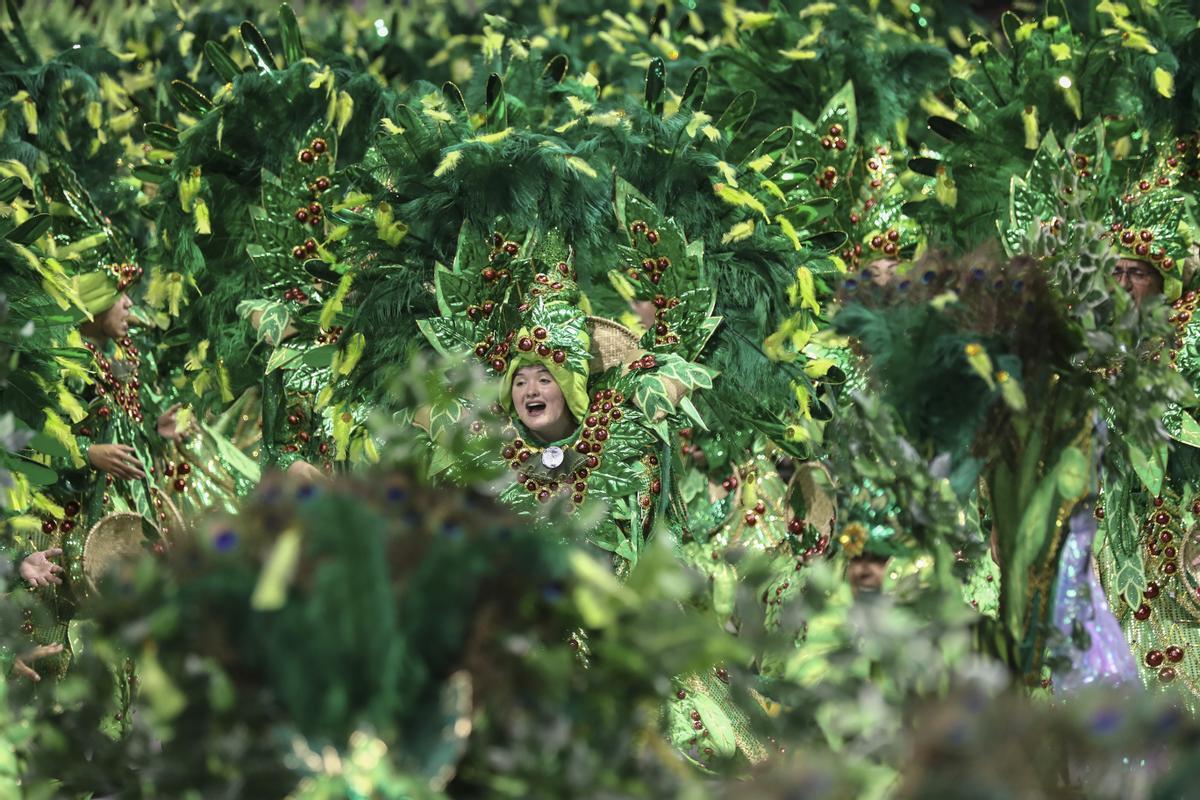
x,y
535,408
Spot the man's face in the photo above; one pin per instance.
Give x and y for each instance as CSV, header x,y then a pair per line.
x,y
539,402
1139,279
114,323
866,573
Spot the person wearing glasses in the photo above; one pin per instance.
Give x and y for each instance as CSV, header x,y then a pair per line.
x,y
1139,278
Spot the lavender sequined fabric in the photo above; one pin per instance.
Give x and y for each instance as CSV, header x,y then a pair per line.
x,y
1079,600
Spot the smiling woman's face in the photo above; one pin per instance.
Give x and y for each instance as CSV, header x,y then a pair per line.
x,y
540,404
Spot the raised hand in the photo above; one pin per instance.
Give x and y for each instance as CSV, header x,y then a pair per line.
x,y
21,663
38,570
118,460
168,428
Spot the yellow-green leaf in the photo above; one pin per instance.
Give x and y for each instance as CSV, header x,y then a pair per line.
x,y
806,290
333,305
1164,82
1029,121
944,189
740,231
345,110
352,353
200,212
981,362
270,593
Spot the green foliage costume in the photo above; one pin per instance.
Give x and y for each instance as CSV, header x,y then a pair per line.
x,y
514,303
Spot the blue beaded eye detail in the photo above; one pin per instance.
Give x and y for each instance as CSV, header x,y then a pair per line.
x,y
928,277
306,491
395,494
1106,720
905,286
1018,286
851,285
226,540
977,274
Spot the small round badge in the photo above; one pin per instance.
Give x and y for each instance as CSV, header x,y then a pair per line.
x,y
552,457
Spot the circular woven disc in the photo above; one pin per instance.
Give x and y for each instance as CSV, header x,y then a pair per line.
x,y
114,540
613,345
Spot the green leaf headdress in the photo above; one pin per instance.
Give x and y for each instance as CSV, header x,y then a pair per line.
x,y
514,304
107,259
1141,206
864,180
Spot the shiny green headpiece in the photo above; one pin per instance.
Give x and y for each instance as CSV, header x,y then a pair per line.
x,y
1143,210
514,304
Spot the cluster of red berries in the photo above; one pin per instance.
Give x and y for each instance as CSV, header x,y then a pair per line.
x,y
834,140
180,472
316,147
330,335
888,242
647,361
67,523
125,274
312,214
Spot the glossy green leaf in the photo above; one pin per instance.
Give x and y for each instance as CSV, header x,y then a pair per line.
x,y
924,166
694,91
283,357
687,373
454,98
449,336
151,173
949,129
289,32
496,104
30,230
721,737
256,46
556,69
773,146
273,323
190,99
656,81
160,135
48,445
35,473
828,242
319,357
1150,466
9,189
218,57
736,113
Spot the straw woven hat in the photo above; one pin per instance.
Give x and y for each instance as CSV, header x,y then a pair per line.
x,y
613,345
115,540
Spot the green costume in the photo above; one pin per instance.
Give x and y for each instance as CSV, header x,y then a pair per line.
x,y
513,303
